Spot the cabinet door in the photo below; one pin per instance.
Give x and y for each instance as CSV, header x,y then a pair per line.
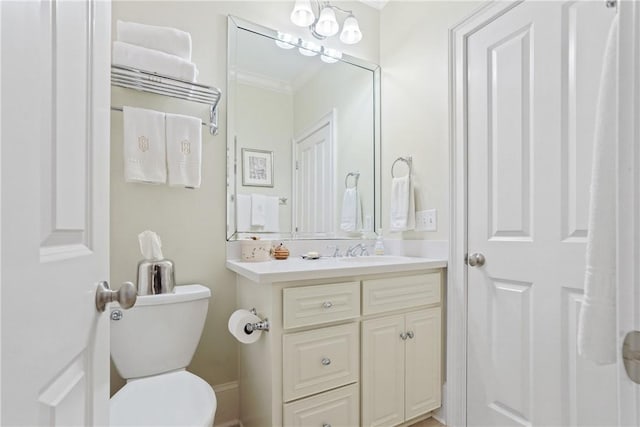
x,y
383,371
422,362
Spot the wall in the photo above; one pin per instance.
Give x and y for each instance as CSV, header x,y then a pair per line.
x,y
192,222
415,119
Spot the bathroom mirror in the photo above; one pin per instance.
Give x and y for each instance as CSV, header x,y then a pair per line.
x,y
303,149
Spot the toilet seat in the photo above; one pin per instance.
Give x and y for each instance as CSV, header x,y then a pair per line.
x,y
173,399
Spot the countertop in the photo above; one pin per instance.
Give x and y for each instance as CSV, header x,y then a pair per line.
x,y
297,268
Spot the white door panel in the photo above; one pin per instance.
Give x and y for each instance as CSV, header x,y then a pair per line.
x,y
55,211
531,107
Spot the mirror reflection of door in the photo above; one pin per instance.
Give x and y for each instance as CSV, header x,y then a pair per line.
x,y
314,178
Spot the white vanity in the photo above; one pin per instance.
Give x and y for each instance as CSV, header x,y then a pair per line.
x,y
353,341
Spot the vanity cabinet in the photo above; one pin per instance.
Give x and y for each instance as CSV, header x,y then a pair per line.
x,y
338,352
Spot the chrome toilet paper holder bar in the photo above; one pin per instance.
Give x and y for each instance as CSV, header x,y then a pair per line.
x,y
263,325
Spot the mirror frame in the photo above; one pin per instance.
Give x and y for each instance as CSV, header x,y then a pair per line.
x,y
234,24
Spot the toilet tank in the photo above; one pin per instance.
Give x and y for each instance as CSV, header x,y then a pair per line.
x,y
159,333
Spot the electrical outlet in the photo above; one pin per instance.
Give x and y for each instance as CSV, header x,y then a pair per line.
x,y
427,220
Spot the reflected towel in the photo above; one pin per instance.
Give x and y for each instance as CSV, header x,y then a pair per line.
x,y
351,217
243,213
258,210
165,39
184,150
272,214
144,145
403,211
597,322
130,55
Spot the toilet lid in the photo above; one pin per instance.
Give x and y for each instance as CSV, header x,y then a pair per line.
x,y
173,399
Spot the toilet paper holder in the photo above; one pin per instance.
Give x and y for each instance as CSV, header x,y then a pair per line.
x,y
263,325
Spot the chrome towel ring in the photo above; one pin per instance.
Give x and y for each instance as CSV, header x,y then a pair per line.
x,y
407,159
356,177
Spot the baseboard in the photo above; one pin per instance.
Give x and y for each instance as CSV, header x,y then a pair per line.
x,y
228,411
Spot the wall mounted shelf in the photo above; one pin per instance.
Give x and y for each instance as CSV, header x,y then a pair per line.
x,y
145,81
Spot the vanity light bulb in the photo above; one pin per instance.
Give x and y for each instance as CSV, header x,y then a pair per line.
x,y
351,33
285,41
302,15
309,49
330,56
327,24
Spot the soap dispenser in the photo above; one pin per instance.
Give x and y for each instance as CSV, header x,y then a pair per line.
x,y
379,247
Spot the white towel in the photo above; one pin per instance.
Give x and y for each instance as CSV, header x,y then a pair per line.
x,y
351,217
272,215
166,39
403,211
243,213
151,60
144,145
184,150
597,322
258,210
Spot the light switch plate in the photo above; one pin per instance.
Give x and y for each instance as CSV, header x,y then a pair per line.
x,y
427,220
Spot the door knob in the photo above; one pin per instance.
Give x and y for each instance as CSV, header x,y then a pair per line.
x,y
125,296
631,355
475,260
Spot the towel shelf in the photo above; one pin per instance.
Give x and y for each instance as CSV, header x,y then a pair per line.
x,y
145,81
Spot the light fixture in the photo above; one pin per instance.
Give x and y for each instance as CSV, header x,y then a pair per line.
x,y
309,48
326,24
330,56
286,41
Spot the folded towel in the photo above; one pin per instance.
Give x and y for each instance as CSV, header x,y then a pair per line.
x,y
151,60
597,321
258,210
165,39
144,145
243,213
272,215
184,150
403,212
351,216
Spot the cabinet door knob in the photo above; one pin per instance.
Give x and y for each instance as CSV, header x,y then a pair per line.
x,y
326,425
327,304
403,336
410,334
326,361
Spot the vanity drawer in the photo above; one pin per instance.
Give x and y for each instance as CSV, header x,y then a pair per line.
x,y
336,408
318,360
396,293
313,305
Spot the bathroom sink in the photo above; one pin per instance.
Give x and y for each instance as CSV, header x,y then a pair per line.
x,y
376,259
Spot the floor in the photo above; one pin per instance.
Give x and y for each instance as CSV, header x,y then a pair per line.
x,y
429,422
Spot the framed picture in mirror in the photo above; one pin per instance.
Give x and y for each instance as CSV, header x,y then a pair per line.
x,y
257,168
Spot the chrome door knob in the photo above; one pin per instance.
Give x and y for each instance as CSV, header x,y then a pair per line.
x,y
125,296
475,260
325,361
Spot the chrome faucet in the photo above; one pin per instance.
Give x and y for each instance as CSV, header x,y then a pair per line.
x,y
336,250
351,252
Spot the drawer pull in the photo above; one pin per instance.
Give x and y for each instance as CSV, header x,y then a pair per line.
x,y
327,304
403,336
410,334
326,361
326,425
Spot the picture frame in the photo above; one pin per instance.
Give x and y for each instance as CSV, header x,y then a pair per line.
x,y
257,168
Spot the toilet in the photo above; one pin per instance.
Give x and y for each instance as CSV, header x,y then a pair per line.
x,y
151,345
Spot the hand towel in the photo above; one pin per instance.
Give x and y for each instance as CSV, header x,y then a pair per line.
x,y
597,321
351,217
272,215
184,150
258,210
154,61
165,39
243,213
403,211
144,146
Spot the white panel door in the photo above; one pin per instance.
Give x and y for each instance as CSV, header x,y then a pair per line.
x,y
532,89
422,362
382,378
314,179
55,211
